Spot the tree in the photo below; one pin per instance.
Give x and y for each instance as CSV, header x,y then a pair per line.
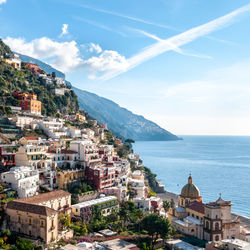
x,y
172,203
83,229
65,220
166,206
129,141
156,227
23,244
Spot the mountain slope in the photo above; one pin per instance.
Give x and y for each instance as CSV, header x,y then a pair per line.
x,y
121,121
23,80
46,67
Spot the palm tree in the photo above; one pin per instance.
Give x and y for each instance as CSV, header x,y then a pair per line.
x,y
166,206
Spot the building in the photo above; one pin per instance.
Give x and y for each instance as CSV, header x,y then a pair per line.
x,y
69,178
29,103
14,61
218,222
229,244
36,221
80,117
107,205
118,244
189,193
30,140
177,244
7,159
34,68
23,121
32,155
119,191
37,216
58,200
53,128
59,91
59,81
24,180
100,176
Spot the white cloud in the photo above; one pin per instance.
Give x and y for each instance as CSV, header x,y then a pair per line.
x,y
3,1
65,29
66,56
177,41
107,60
95,48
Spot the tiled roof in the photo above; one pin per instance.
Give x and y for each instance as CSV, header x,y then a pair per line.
x,y
30,138
67,151
44,197
197,206
31,208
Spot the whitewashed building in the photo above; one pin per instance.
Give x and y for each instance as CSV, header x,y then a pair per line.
x,y
24,180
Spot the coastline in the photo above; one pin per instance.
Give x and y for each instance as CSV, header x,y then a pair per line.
x,y
166,195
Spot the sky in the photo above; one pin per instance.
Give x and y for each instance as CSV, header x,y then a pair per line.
x,y
182,64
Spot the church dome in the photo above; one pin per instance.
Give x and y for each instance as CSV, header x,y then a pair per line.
x,y
190,190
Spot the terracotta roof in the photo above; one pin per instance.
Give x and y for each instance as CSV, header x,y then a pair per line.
x,y
37,199
31,208
67,151
197,206
30,138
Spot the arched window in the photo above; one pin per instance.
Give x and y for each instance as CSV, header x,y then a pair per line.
x,y
217,227
207,224
217,238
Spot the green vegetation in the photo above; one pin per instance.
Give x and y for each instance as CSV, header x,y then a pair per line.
x,y
25,81
166,206
11,241
156,227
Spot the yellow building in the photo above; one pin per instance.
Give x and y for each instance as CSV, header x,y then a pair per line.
x,y
14,62
37,216
80,118
70,177
33,220
189,193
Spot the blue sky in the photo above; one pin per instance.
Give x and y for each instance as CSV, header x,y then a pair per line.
x,y
137,54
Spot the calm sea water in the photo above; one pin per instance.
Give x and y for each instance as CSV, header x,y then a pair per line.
x,y
218,164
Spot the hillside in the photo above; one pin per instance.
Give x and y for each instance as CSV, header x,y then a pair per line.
x,y
24,80
121,121
46,67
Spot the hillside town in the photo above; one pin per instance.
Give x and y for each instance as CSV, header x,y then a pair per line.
x,y
68,183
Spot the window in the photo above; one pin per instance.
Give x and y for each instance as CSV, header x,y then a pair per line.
x,y
217,227
30,221
52,223
207,224
19,219
217,238
42,223
29,232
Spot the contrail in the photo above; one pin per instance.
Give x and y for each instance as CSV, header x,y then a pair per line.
x,y
176,41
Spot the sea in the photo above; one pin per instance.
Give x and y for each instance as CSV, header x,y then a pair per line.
x,y
218,165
